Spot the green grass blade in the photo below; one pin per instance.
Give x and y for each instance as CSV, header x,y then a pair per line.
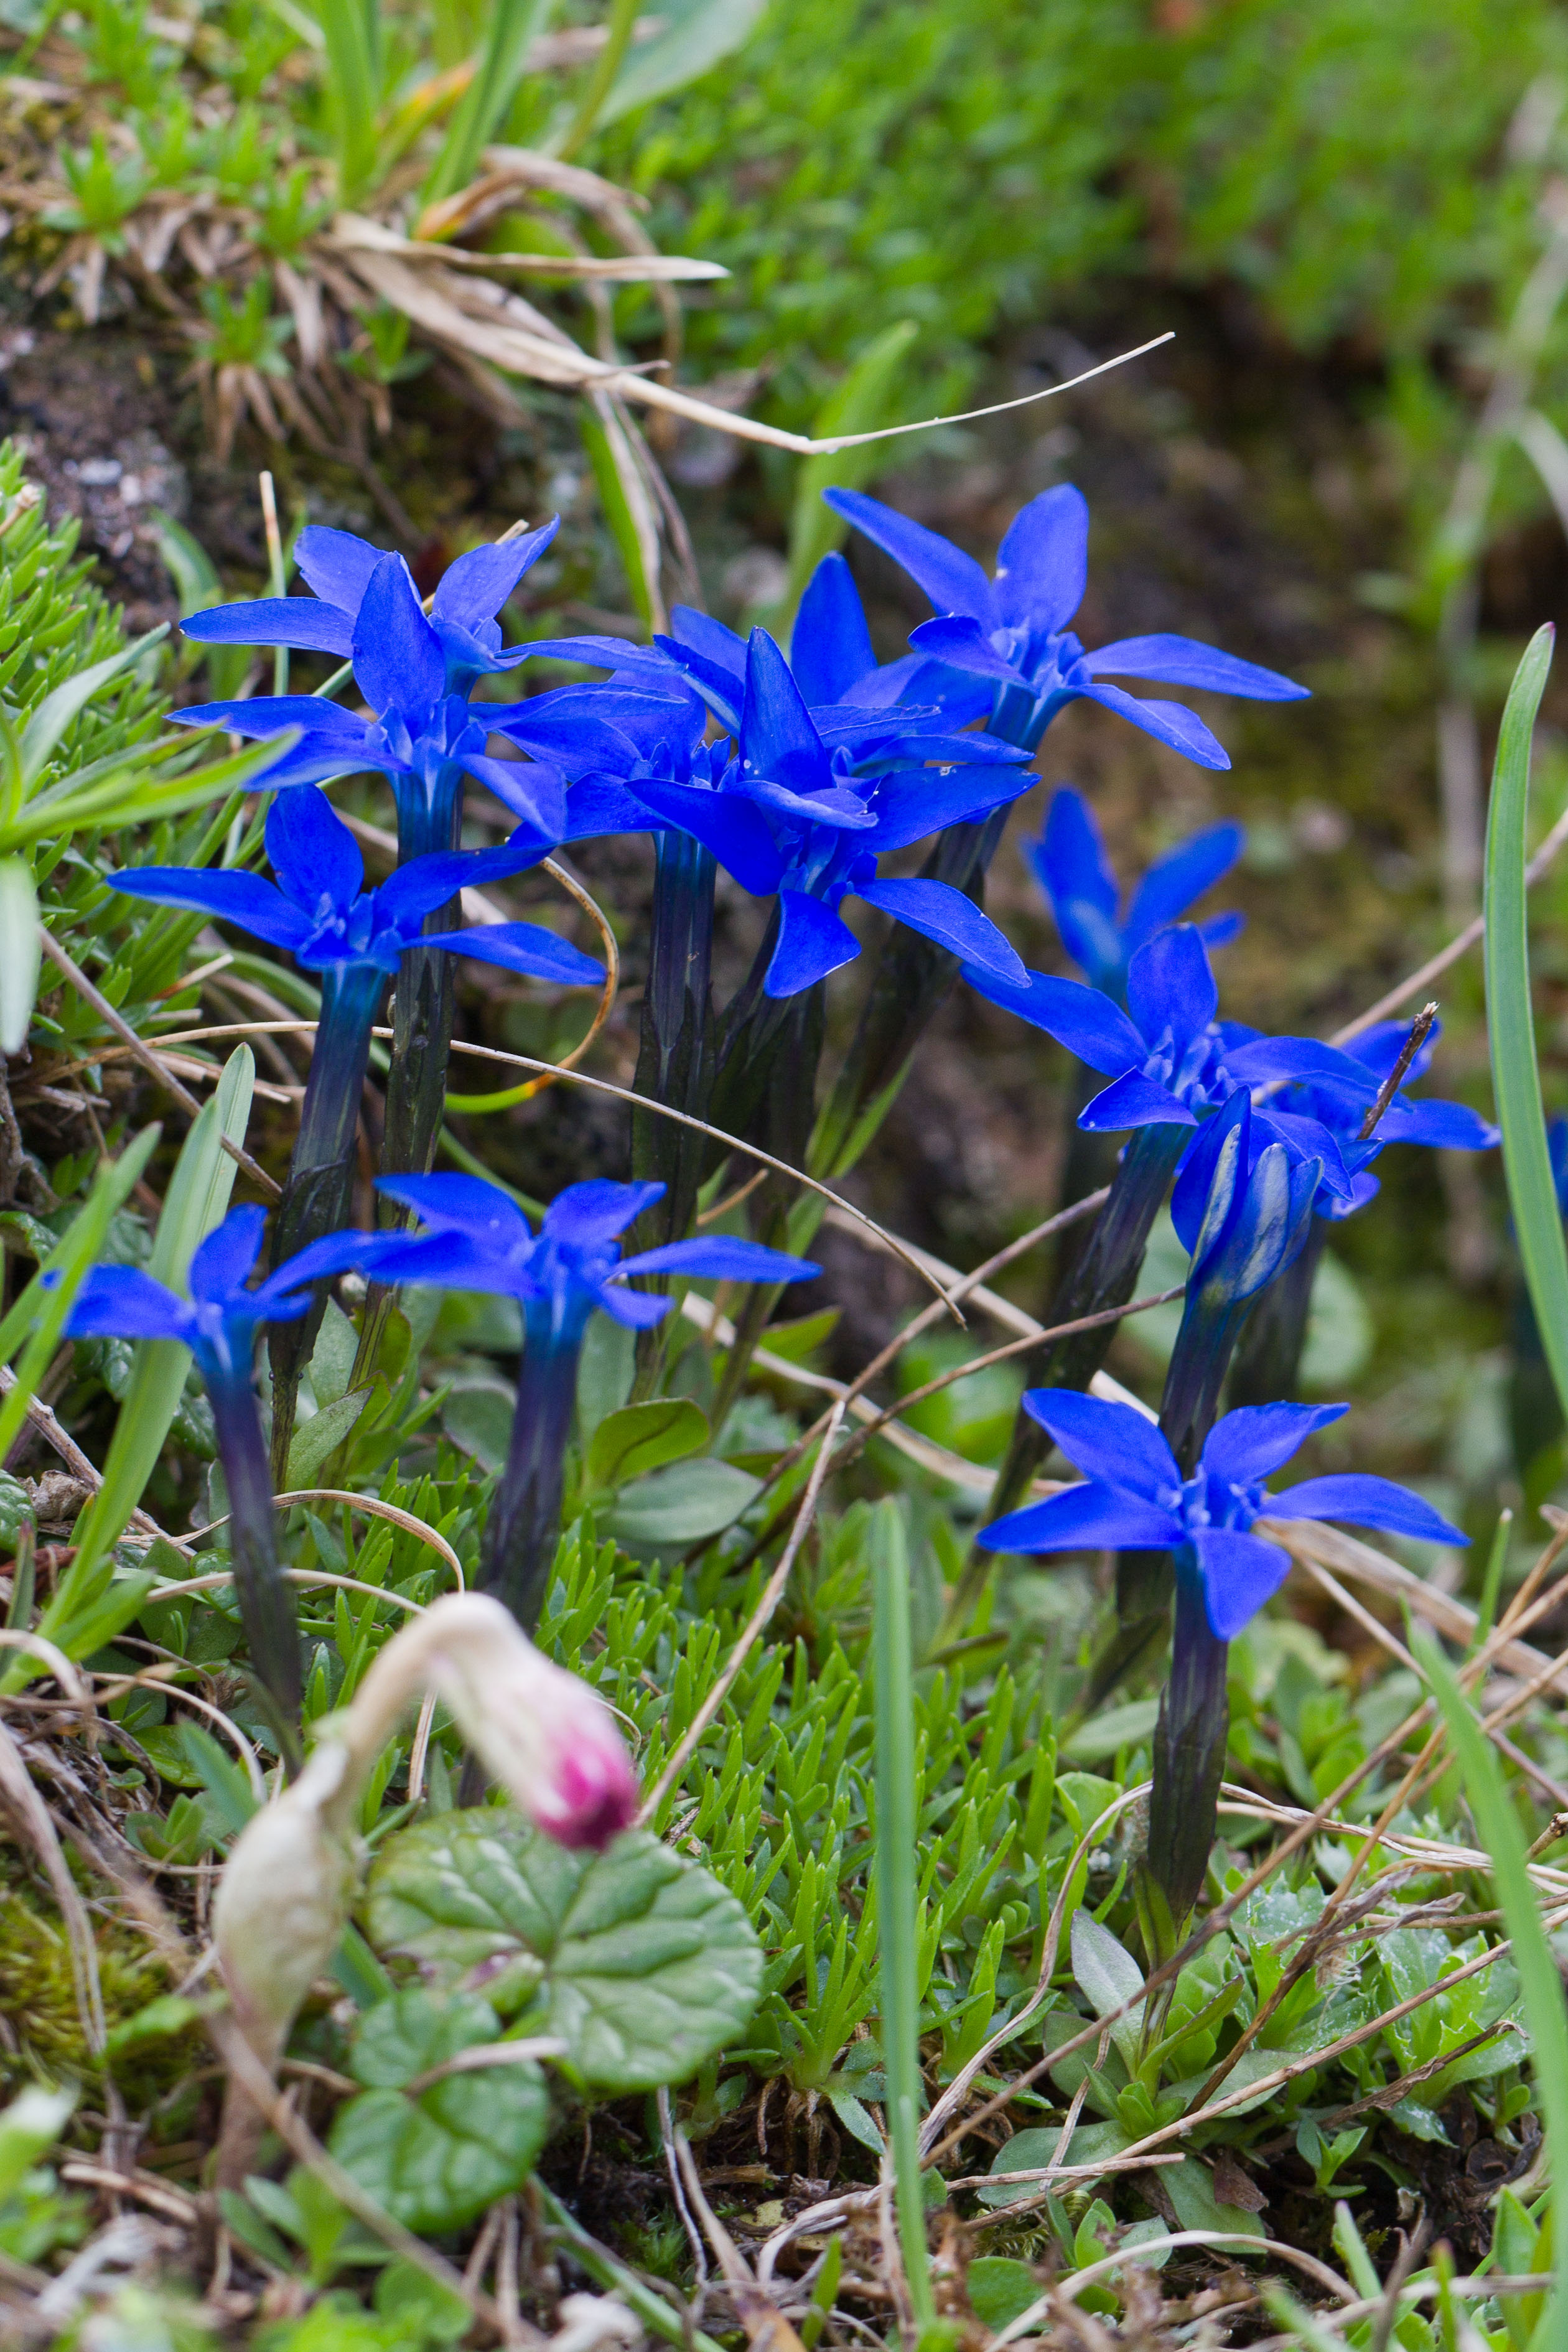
x,y
512,26
1496,1825
1516,1076
897,1866
863,402
198,1199
352,83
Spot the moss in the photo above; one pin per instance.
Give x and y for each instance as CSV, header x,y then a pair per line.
x,y
43,2029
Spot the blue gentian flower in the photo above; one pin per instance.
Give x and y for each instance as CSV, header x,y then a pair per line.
x,y
477,1238
424,738
321,912
1170,1061
340,568
1442,1126
1014,630
218,1324
788,815
1136,1498
1085,897
355,938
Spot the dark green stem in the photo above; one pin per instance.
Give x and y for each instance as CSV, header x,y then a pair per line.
x,y
1189,1751
524,1522
266,1606
317,1196
675,1062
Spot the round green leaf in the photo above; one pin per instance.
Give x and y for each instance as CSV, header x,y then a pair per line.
x,y
680,1505
434,2161
649,1965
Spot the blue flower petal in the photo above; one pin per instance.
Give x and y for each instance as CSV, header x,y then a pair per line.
x,y
478,585
598,806
1195,1186
121,1302
638,1311
1241,1572
1381,1046
534,790
1084,1519
412,891
1075,874
728,824
1084,1020
941,913
336,564
313,853
1042,565
587,1215
1182,661
1300,1060
717,1258
1168,722
960,643
1112,1443
1218,930
243,899
525,947
303,622
830,650
451,1260
267,714
1173,882
953,581
813,941
398,661
464,1205
222,1261
778,741
1444,1126
1252,1442
1171,986
928,800
1133,1100
1365,1501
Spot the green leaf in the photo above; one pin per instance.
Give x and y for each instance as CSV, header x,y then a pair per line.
x,y
694,35
1516,1078
55,714
20,954
436,2159
333,1357
352,83
605,1368
1541,1986
641,1438
1109,1975
427,2312
1190,2186
1090,2144
858,2121
1001,2291
231,1800
484,104
623,493
1099,1737
29,2127
479,1419
198,1197
682,1504
650,1966
317,1440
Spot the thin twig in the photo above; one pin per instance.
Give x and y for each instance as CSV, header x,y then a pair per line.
x,y
150,1061
1420,1028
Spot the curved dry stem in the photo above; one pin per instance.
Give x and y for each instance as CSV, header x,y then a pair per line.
x,y
601,1011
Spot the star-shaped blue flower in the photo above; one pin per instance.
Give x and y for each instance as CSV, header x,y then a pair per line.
x,y
321,912
218,1321
340,568
788,814
1013,630
1171,1061
1135,1499
477,1238
1085,897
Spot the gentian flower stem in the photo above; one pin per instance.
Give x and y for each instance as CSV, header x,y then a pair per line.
x,y
320,1174
266,1602
524,1520
785,1125
911,982
1105,1275
1268,1355
1189,1753
674,1062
